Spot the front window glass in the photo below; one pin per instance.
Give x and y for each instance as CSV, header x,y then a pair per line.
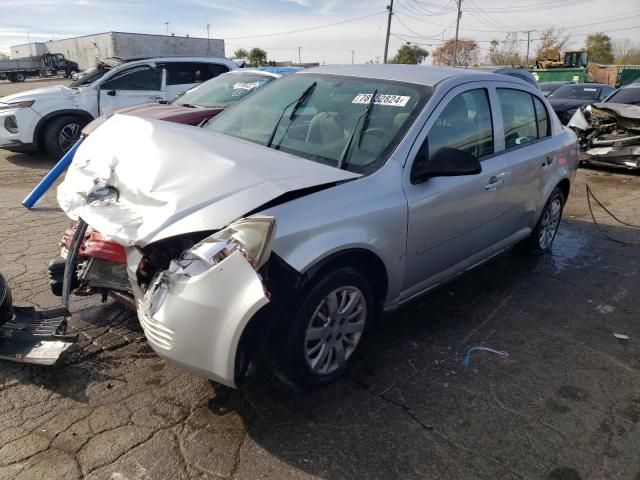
x,y
224,90
143,77
329,124
576,92
518,116
464,124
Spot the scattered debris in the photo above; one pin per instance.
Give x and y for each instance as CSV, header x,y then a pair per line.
x,y
621,336
467,357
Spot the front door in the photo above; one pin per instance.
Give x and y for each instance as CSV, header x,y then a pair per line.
x,y
138,84
453,218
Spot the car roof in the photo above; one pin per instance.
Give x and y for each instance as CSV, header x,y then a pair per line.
x,y
419,74
631,85
253,71
224,61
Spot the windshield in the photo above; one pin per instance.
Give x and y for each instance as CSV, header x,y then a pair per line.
x,y
625,95
576,92
223,90
88,76
329,124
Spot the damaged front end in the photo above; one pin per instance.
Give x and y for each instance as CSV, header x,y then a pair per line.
x,y
609,134
194,307
184,203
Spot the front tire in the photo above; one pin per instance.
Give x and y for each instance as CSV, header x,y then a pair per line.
x,y
315,347
541,239
61,133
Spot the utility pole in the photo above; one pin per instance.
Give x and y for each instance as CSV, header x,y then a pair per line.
x,y
166,24
299,55
455,46
528,44
386,42
208,42
353,52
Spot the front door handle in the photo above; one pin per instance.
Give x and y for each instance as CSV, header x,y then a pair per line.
x,y
494,182
547,161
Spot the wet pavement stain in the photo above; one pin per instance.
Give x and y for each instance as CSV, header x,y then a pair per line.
x,y
556,407
572,393
564,473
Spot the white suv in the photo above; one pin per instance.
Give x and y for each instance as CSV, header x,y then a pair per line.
x,y
53,117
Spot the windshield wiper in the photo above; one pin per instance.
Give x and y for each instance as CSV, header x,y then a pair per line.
x,y
298,101
365,124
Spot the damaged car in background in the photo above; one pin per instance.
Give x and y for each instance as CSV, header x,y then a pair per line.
x,y
100,266
609,132
291,221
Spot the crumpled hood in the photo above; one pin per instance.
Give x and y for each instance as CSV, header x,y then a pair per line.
x,y
175,179
37,93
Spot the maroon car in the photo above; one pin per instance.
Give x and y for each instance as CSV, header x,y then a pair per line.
x,y
101,263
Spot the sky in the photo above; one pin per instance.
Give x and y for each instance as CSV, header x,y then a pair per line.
x,y
341,30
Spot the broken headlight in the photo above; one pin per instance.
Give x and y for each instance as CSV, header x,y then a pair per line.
x,y
251,236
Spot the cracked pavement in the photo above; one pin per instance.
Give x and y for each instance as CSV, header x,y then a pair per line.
x,y
564,405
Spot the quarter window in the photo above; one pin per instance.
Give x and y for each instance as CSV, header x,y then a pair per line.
x,y
464,124
542,118
518,117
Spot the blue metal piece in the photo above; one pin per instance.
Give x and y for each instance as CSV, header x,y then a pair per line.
x,y
45,184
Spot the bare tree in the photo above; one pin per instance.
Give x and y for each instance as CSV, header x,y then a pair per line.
x,y
505,52
622,47
467,53
551,43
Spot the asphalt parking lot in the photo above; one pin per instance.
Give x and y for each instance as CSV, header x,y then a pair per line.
x,y
564,405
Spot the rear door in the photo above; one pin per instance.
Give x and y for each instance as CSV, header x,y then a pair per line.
x,y
130,86
452,219
530,151
181,76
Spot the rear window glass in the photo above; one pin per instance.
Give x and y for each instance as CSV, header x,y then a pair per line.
x,y
576,92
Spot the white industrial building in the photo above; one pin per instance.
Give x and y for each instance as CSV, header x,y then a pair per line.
x,y
89,49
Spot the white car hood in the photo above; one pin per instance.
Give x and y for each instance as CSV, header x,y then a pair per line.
x,y
36,93
175,179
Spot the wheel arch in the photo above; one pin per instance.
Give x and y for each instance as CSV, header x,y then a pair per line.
x,y
44,121
257,333
565,186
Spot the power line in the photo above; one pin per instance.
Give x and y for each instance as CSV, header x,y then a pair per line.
x,y
355,19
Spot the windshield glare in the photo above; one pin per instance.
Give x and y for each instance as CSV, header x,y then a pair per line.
x,y
576,92
326,119
223,90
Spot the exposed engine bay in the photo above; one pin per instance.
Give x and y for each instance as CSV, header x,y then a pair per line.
x,y
609,133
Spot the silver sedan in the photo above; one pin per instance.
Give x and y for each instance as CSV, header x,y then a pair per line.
x,y
294,219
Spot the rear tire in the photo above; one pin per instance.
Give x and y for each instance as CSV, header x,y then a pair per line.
x,y
541,239
20,77
314,347
61,133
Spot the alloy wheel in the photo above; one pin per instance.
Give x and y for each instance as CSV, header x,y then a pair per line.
x,y
549,223
335,329
68,136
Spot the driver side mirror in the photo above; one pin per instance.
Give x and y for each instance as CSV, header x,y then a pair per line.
x,y
446,162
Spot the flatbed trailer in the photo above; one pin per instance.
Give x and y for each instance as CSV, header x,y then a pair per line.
x,y
18,69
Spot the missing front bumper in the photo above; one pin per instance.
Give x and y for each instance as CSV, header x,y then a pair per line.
x,y
198,321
